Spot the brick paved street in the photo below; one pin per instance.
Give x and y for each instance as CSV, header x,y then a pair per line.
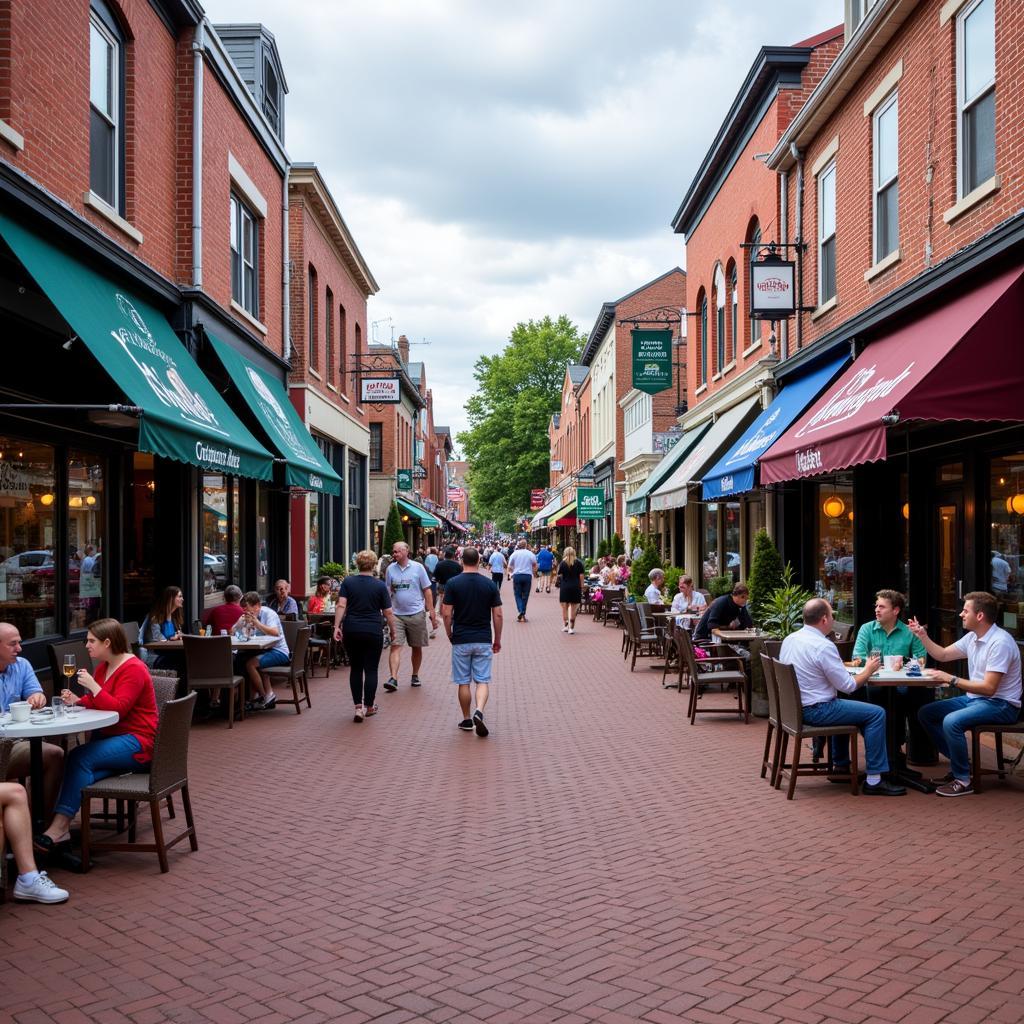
x,y
594,859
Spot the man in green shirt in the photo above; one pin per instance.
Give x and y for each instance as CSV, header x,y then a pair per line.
x,y
890,635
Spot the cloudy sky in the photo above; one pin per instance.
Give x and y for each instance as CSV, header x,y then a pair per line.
x,y
501,162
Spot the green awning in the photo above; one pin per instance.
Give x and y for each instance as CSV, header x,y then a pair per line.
x,y
304,463
636,503
421,515
565,510
183,418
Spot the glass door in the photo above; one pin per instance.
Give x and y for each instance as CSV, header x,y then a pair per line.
x,y
948,572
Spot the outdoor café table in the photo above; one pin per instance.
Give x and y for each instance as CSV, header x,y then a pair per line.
x,y
897,768
257,643
41,726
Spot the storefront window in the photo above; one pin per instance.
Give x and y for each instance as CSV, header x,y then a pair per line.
x,y
835,512
731,536
904,583
1006,555
754,511
27,566
314,534
86,521
709,544
262,542
356,504
216,539
140,538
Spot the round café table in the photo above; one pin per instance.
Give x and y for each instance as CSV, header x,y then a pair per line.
x,y
41,726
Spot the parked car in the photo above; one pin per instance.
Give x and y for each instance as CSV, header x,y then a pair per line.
x,y
215,573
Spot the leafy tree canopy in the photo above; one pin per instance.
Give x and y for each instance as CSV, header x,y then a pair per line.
x,y
517,392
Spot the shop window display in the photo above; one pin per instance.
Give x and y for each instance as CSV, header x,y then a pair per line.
x,y
1006,554
86,523
835,513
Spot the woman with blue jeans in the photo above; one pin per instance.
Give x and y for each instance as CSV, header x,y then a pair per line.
x,y
992,693
122,684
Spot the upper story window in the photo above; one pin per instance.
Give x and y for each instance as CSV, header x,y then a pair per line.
x,y
272,97
244,261
376,447
976,94
719,319
856,12
827,234
329,335
106,107
734,292
703,340
887,185
311,293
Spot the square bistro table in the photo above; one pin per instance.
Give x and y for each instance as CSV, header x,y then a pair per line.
x,y
257,643
39,727
890,680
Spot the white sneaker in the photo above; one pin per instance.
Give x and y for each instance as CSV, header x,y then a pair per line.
x,y
565,628
359,713
42,890
571,631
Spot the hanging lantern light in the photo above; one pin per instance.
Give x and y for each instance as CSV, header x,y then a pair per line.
x,y
46,499
75,501
906,510
1015,504
849,515
90,499
833,506
633,522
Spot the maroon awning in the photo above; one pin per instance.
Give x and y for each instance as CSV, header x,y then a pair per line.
x,y
565,521
963,361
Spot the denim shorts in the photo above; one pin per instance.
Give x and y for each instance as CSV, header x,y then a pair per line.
x,y
273,658
471,663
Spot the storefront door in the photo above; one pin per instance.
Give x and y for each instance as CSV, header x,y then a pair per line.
x,y
947,586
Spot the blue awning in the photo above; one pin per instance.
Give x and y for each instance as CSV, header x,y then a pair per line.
x,y
734,473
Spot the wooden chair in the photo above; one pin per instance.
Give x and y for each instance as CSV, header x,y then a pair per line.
x,y
791,723
998,730
209,665
295,673
706,671
640,642
56,652
168,773
773,738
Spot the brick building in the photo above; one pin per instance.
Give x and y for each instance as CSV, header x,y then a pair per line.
x,y
459,502
330,283
142,269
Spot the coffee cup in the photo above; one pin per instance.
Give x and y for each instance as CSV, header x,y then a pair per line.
x,y
893,662
20,710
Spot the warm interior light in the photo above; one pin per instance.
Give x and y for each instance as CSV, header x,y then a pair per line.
x,y
633,522
906,510
151,485
75,501
833,506
46,499
1015,503
90,499
849,515
405,518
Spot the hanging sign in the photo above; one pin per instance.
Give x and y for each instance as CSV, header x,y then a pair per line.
x,y
456,494
652,360
772,288
536,499
404,479
380,390
590,503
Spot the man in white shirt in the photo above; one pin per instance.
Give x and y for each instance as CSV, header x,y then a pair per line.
x,y
522,567
652,595
821,675
497,565
991,694
412,600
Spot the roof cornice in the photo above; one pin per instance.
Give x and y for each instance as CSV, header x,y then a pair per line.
x,y
307,180
882,22
774,67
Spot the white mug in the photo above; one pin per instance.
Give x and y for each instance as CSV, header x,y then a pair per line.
x,y
893,662
20,710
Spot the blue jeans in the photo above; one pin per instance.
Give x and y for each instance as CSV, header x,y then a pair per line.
x,y
947,720
868,718
95,760
521,589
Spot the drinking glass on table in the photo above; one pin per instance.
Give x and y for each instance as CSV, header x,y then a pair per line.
x,y
57,703
70,667
876,652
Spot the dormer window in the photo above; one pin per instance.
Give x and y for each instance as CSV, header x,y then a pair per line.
x,y
271,97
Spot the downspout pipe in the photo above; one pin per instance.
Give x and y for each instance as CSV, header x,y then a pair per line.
x,y
198,47
799,157
286,272
784,224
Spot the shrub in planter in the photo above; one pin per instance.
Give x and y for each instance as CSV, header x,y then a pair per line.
x,y
602,548
719,585
639,573
393,532
765,574
784,607
333,569
617,547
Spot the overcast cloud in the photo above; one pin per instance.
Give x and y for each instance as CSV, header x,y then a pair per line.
x,y
497,163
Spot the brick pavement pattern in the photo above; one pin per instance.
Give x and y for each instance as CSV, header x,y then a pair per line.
x,y
594,859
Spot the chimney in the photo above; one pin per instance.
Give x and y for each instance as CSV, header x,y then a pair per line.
x,y
403,348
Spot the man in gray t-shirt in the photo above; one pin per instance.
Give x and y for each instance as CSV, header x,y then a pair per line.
x,y
412,601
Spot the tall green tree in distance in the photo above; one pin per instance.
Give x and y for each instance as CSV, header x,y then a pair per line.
x,y
517,392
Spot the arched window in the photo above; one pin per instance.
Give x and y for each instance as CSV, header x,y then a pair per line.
x,y
343,366
703,307
755,240
719,289
311,339
734,298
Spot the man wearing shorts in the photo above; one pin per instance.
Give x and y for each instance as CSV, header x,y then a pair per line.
x,y
472,606
546,568
412,601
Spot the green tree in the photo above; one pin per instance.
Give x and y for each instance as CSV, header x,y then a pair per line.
x,y
602,548
393,531
617,547
765,573
640,570
517,393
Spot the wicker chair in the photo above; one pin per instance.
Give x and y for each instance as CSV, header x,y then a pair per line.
x,y
791,723
209,666
295,673
168,773
773,738
56,653
639,642
131,635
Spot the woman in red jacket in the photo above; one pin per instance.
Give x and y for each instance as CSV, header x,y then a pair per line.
x,y
122,684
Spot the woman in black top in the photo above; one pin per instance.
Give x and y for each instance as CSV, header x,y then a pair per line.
x,y
570,588
362,601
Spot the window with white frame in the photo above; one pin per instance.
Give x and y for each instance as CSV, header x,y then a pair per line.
x,y
719,319
976,94
885,138
827,234
106,92
734,293
703,340
244,249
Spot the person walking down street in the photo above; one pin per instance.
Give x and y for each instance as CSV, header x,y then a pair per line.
x,y
498,564
362,613
471,610
546,567
992,693
522,567
446,569
412,601
570,588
